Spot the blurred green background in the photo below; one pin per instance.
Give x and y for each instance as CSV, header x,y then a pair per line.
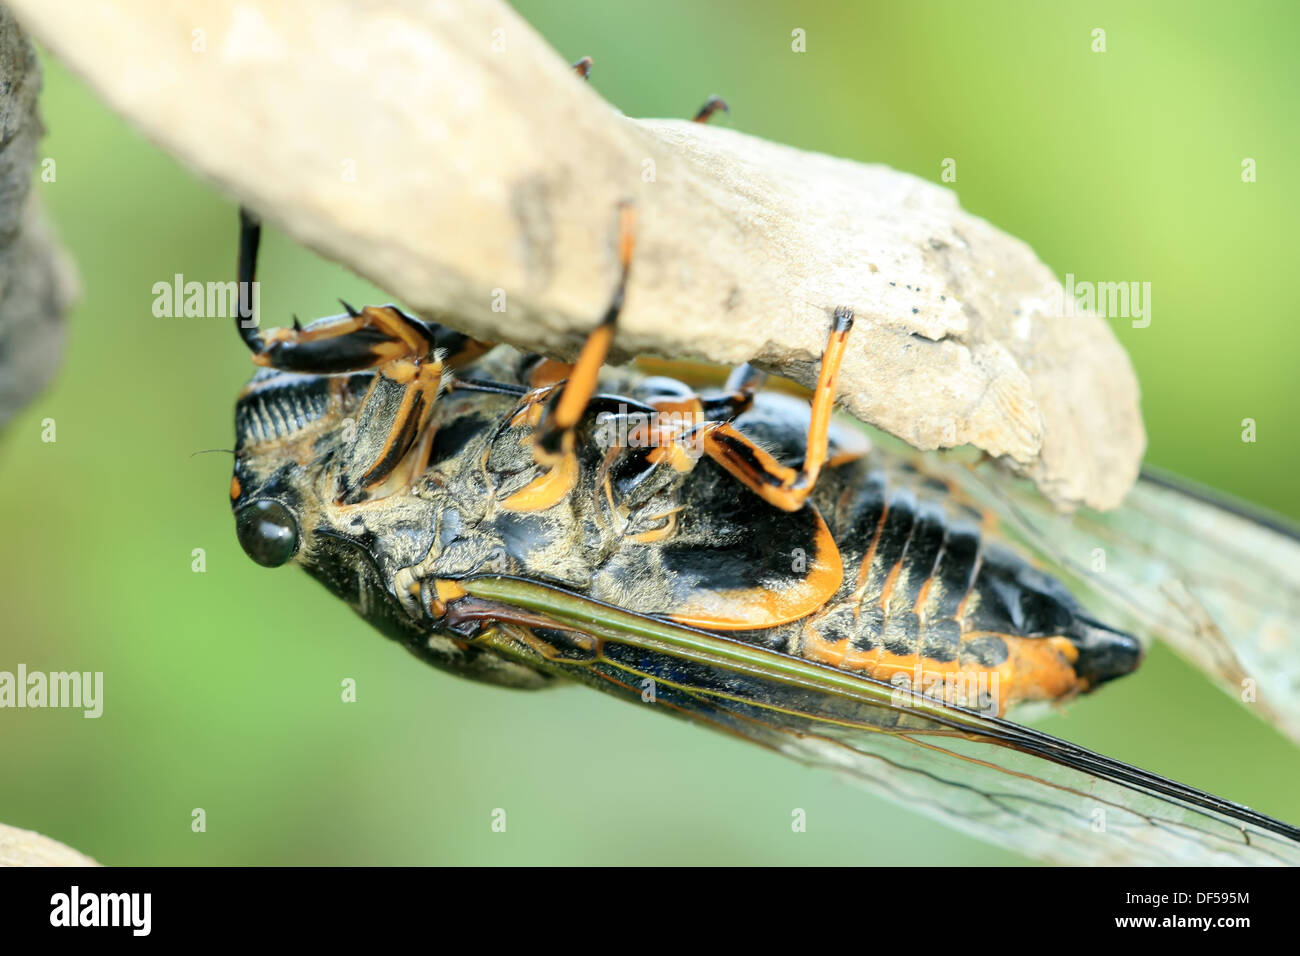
x,y
223,688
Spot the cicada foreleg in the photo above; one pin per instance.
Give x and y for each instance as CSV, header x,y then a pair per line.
x,y
407,354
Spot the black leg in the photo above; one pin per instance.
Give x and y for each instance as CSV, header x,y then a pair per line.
x,y
711,106
250,237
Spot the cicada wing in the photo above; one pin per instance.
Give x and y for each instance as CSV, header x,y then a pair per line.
x,y
1213,580
1004,783
1031,793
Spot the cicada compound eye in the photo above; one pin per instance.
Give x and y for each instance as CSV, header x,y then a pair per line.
x,y
267,532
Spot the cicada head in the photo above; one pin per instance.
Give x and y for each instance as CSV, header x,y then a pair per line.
x,y
298,438
288,430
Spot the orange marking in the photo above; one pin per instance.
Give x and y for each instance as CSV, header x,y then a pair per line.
x,y
234,487
924,594
844,457
343,325
657,534
1045,668
744,608
674,454
1036,668
762,474
774,494
405,340
530,409
815,648
447,590
582,382
396,327
864,569
547,489
473,349
421,384
402,372
607,489
890,581
688,408
626,233
549,372
822,405
444,591
403,475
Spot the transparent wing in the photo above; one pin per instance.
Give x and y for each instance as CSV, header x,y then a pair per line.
x,y
1040,796
1005,783
1216,581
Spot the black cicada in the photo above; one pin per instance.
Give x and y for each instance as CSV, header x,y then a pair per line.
x,y
732,554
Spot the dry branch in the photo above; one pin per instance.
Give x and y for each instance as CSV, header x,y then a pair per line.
x,y
444,151
28,848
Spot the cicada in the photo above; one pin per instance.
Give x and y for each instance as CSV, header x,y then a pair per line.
x,y
737,557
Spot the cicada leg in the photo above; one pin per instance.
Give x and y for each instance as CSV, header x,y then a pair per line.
x,y
714,103
408,355
780,485
539,371
738,392
553,438
711,106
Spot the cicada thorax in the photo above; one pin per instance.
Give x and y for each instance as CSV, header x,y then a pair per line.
x,y
657,529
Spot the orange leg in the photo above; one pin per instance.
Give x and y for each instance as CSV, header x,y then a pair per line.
x,y
555,433
387,436
553,437
777,484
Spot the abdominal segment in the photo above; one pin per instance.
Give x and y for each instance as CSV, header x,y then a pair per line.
x,y
979,670
927,606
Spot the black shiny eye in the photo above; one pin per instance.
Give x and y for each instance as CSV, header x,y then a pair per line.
x,y
267,532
